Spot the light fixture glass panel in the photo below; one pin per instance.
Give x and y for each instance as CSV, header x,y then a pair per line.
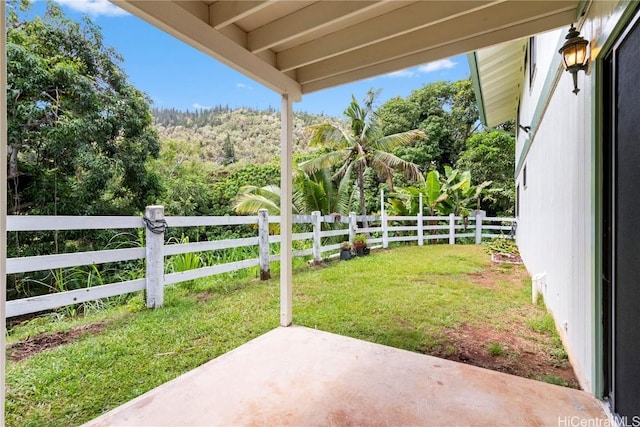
x,y
570,56
581,53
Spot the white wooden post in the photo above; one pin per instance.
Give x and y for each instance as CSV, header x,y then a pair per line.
x,y
420,224
452,229
263,244
385,230
353,226
3,200
154,237
316,220
478,228
286,212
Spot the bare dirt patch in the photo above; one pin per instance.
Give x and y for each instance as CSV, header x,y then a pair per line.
x,y
493,276
47,341
512,353
513,347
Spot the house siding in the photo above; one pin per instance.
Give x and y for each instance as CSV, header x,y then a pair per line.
x,y
557,209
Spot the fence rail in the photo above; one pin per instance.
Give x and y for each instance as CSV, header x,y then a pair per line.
x,y
383,229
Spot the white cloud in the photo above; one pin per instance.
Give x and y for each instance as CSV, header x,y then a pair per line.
x,y
443,64
402,74
407,73
244,86
201,107
94,7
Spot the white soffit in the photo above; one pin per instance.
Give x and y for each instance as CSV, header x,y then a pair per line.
x,y
298,47
498,77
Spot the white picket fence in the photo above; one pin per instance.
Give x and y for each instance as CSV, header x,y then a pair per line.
x,y
382,230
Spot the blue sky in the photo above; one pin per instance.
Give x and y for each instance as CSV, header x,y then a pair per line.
x,y
176,75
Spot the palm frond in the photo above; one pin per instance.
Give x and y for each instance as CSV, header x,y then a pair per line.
x,y
251,203
410,170
324,161
329,135
389,142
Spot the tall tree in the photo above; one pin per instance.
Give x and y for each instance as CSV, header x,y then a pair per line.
x,y
79,133
228,152
490,156
360,146
445,111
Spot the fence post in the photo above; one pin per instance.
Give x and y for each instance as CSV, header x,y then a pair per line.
x,y
263,244
154,238
478,228
452,229
316,220
353,226
385,230
420,224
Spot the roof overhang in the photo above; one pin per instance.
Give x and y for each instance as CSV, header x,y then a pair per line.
x,y
497,75
298,47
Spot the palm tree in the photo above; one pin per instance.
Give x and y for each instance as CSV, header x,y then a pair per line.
x,y
361,146
312,192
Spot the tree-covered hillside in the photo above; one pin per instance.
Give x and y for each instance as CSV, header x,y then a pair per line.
x,y
223,136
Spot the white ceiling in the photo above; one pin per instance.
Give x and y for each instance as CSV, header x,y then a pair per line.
x,y
298,47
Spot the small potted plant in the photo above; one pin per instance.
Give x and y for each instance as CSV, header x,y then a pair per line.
x,y
345,251
360,244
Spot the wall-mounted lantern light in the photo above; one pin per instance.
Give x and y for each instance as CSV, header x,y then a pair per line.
x,y
574,55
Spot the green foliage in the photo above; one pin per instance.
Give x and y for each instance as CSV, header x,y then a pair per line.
x,y
185,180
227,183
447,114
79,134
183,262
318,191
406,201
462,195
495,349
553,379
502,245
441,195
490,156
360,240
543,324
312,192
251,199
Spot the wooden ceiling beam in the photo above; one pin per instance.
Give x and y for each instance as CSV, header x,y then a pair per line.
x,y
482,22
317,15
223,13
401,21
458,47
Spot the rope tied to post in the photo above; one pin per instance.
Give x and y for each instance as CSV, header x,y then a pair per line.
x,y
158,226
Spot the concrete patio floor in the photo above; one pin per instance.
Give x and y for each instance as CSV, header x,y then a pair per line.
x,y
304,377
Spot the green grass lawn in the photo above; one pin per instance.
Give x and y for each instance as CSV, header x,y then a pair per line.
x,y
409,297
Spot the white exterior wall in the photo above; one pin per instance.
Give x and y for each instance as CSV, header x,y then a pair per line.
x,y
557,212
